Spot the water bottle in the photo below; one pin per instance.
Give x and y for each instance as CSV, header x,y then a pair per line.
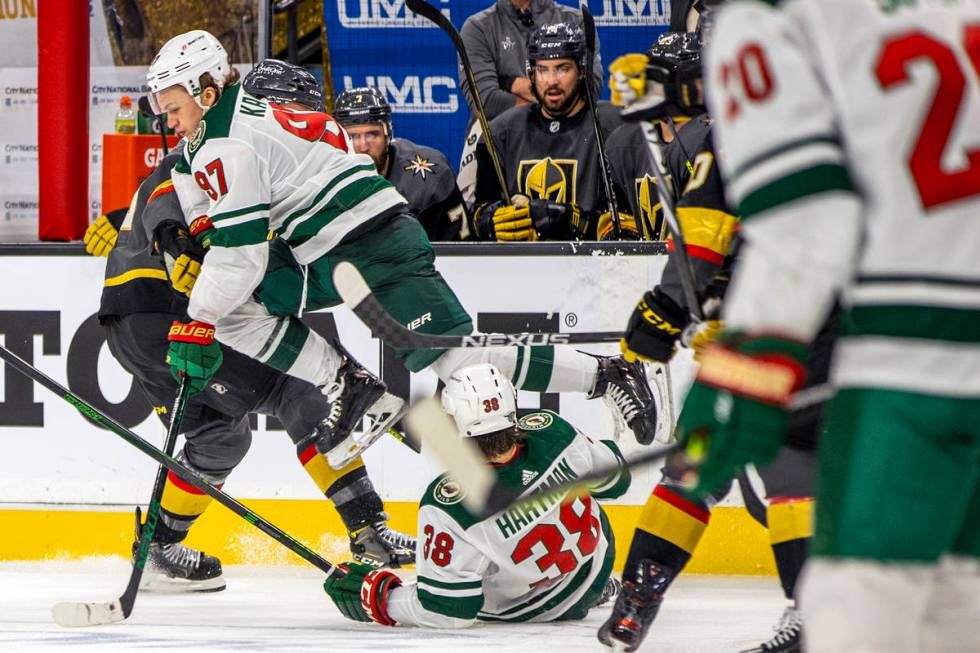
x,y
125,117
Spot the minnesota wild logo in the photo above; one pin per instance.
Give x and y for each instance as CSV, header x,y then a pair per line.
x,y
448,492
197,137
535,421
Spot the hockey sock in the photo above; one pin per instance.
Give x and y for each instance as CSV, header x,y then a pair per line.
x,y
669,529
536,369
790,522
350,489
180,506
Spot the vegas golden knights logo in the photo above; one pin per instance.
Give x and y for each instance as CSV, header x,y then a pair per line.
x,y
651,216
548,179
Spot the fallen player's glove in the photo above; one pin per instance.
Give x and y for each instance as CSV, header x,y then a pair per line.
x,y
193,353
528,220
182,255
627,79
101,235
362,595
653,329
737,411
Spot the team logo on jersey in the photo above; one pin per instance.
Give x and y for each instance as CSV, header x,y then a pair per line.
x,y
548,179
448,492
536,421
419,166
651,217
197,137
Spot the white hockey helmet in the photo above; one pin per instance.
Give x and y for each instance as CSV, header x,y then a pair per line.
x,y
182,60
480,399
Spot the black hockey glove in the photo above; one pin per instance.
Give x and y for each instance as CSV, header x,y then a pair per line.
x,y
530,221
653,329
182,255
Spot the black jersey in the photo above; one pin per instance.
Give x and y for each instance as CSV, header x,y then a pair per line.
x,y
706,221
544,158
632,171
428,182
136,280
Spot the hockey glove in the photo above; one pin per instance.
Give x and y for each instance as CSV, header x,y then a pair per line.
x,y
345,591
653,329
100,237
737,412
362,595
182,256
530,221
706,333
194,353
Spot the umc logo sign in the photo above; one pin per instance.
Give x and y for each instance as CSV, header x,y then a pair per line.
x,y
415,94
380,13
627,13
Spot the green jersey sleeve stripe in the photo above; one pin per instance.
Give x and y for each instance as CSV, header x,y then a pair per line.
x,y
895,321
323,193
289,348
463,585
345,200
237,212
617,484
779,150
247,233
458,607
811,181
539,369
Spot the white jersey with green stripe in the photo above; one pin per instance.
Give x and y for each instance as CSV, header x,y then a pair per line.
x,y
546,560
849,132
253,171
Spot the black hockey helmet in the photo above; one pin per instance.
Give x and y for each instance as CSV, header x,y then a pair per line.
x,y
674,61
556,41
363,106
279,81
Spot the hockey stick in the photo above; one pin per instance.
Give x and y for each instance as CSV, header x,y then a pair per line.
x,y
424,9
359,298
183,472
72,614
685,270
481,491
588,24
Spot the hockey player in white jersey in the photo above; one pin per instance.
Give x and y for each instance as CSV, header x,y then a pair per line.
x,y
850,134
280,198
549,560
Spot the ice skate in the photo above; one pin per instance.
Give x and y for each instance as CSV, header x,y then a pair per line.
x,y
788,637
174,567
636,607
624,387
377,544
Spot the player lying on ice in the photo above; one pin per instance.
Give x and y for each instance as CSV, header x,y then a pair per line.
x,y
547,560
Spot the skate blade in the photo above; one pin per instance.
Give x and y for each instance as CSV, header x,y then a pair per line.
x,y
383,413
658,378
162,584
77,615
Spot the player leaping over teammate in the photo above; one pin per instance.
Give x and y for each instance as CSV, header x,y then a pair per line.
x,y
280,198
549,560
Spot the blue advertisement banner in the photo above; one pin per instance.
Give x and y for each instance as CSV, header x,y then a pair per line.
x,y
380,43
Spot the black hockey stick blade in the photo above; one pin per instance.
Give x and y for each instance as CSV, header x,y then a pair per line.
x,y
75,614
358,297
183,472
481,491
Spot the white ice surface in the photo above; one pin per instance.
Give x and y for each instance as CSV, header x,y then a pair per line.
x,y
281,609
